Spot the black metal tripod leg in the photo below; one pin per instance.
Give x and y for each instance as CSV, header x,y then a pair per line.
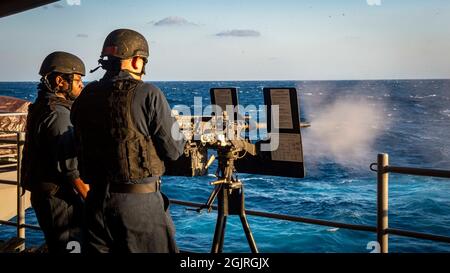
x,y
219,234
222,237
248,234
211,199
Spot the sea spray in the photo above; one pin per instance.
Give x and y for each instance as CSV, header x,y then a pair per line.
x,y
343,131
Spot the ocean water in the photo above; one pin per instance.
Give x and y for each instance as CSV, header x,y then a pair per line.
x,y
351,122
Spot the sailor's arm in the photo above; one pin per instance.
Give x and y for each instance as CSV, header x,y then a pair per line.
x,y
162,124
61,133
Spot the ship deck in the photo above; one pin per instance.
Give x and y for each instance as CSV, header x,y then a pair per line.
x,y
8,195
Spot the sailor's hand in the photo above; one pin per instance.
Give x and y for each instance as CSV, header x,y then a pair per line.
x,y
81,188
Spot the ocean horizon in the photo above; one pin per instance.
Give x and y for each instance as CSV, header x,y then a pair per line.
x,y
351,122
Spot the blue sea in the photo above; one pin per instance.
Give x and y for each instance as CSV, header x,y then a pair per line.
x,y
351,122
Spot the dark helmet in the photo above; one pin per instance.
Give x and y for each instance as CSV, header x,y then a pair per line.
x,y
124,44
62,62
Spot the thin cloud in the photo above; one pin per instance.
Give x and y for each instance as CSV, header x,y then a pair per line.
x,y
352,38
239,33
73,2
82,35
174,21
58,6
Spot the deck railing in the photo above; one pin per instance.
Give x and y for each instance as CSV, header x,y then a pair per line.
x,y
17,139
381,229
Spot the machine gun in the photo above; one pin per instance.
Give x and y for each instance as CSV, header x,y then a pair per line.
x,y
227,136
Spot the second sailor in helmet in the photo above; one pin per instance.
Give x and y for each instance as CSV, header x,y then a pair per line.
x,y
49,166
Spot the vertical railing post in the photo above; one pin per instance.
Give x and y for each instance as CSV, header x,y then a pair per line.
x,y
382,203
20,198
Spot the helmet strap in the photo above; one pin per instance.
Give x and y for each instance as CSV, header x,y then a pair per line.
x,y
111,64
134,73
68,94
143,66
139,74
47,84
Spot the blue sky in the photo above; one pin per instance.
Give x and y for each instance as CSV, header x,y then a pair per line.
x,y
242,40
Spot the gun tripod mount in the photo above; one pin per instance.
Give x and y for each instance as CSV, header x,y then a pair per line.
x,y
230,193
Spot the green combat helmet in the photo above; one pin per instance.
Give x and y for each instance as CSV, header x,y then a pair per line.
x,y
123,44
62,62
